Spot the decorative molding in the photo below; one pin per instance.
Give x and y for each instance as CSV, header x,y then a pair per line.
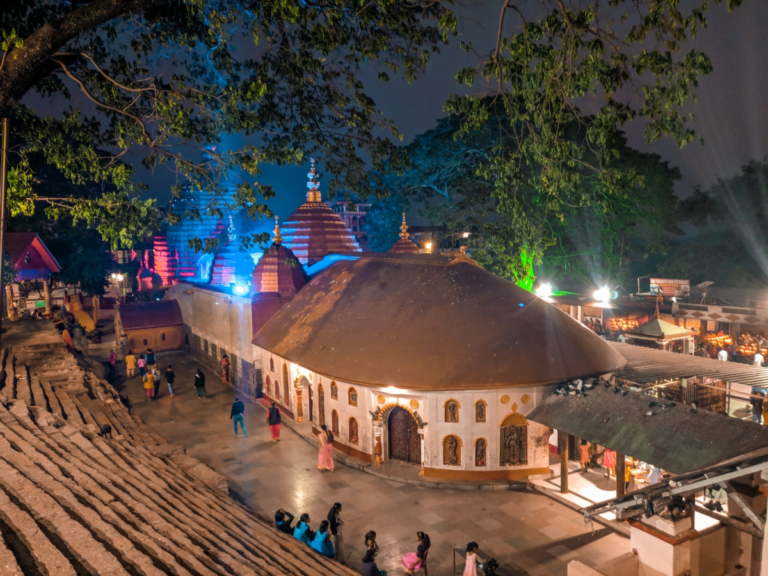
x,y
505,399
381,399
525,399
514,419
414,404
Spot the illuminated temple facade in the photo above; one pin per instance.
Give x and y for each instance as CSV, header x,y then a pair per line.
x,y
423,358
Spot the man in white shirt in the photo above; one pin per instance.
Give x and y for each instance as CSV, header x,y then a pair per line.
x,y
759,359
722,355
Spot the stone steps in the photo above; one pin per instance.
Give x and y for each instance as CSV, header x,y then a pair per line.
x,y
72,502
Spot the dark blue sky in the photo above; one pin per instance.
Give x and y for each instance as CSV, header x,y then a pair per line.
x,y
730,112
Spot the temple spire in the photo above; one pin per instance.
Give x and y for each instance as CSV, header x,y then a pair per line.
x,y
313,194
277,238
404,229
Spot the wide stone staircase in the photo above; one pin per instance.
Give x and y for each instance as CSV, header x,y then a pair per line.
x,y
74,502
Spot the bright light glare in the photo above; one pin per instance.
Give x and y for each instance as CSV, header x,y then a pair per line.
x,y
240,289
465,235
119,277
393,390
428,246
114,276
544,291
602,295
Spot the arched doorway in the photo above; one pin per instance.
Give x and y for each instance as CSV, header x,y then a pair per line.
x,y
303,388
404,440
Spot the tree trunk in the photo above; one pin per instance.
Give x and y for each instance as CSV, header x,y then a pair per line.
x,y
25,67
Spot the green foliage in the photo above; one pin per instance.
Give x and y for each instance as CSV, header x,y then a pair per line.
x,y
621,60
84,261
585,239
9,270
295,92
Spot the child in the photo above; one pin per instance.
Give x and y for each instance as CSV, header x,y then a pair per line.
x,y
470,568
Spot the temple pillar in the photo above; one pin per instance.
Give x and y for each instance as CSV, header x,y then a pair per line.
x,y
563,438
663,543
47,294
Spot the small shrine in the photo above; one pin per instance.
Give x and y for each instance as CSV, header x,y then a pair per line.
x,y
405,245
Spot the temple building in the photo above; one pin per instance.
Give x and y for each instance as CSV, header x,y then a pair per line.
x,y
314,230
427,359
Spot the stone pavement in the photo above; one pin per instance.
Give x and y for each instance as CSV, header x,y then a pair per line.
x,y
527,532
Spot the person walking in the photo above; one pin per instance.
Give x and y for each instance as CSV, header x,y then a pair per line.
x,y
158,381
236,415
470,568
322,542
149,384
759,358
274,419
722,355
325,456
225,369
370,542
151,360
413,561
170,376
112,362
335,523
584,456
124,344
142,364
130,365
200,383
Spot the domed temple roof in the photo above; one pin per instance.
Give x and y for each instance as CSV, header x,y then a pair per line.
x,y
278,269
405,245
430,322
314,230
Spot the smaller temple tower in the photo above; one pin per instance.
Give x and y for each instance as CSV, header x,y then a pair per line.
x,y
277,278
405,244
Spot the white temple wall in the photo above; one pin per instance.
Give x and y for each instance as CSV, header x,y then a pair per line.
x,y
216,322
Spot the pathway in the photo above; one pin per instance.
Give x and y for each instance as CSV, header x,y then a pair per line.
x,y
526,531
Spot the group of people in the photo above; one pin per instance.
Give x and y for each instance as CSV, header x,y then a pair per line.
x,y
590,457
149,372
328,540
759,403
596,326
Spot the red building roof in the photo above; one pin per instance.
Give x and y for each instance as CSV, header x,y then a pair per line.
x,y
30,256
145,315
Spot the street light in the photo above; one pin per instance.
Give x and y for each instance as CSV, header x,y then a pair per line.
x,y
602,294
544,291
428,246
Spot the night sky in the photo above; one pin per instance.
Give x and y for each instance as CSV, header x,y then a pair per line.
x,y
730,112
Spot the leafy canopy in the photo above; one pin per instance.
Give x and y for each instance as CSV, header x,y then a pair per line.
x,y
568,75
161,79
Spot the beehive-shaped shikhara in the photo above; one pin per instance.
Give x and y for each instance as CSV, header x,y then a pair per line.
x,y
278,270
314,230
405,244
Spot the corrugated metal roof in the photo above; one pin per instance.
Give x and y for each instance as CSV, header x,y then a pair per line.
x,y
144,315
646,365
676,437
430,322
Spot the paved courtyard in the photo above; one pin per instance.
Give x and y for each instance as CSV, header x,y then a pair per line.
x,y
527,532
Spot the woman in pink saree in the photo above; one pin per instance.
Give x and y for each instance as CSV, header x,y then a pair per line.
x,y
325,458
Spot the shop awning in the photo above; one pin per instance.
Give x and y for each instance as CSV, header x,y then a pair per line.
x,y
676,437
645,365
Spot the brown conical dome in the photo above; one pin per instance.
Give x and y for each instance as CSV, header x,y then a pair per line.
x,y
314,230
405,245
278,270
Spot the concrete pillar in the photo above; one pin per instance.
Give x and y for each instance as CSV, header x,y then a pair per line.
x,y
563,438
47,295
579,315
620,472
572,312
